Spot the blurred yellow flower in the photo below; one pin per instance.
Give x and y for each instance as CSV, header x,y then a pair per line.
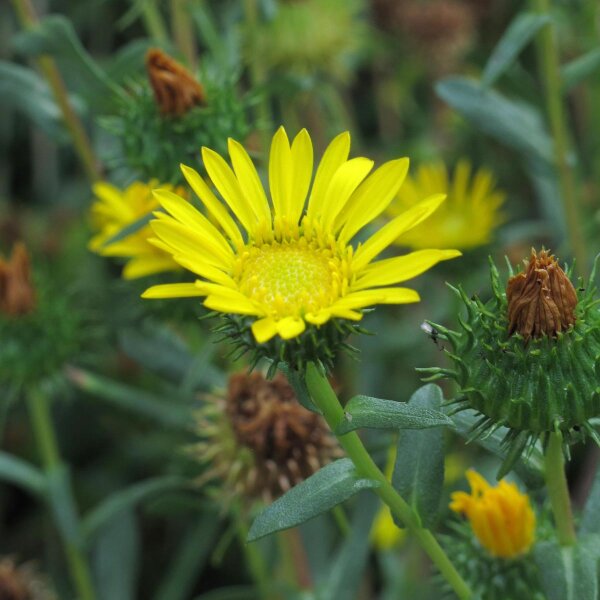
x,y
468,217
116,209
501,517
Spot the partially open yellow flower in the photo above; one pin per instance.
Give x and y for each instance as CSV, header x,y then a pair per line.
x,y
116,209
290,263
501,517
468,217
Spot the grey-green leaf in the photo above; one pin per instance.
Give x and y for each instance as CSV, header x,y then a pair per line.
x,y
364,411
515,124
419,469
579,69
518,34
19,472
590,519
322,491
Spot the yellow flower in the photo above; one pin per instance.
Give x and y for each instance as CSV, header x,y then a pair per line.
x,y
468,217
291,263
113,211
501,517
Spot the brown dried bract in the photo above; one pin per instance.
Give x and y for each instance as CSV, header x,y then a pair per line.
x,y
175,89
22,582
541,300
17,295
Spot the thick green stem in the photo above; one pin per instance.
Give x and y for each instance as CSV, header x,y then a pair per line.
x,y
550,65
41,423
47,66
558,490
326,399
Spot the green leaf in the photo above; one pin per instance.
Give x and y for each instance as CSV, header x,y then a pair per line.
x,y
299,385
364,411
568,572
116,558
189,559
55,35
419,469
346,571
167,413
24,90
580,68
515,124
19,472
124,500
590,523
62,504
319,493
518,34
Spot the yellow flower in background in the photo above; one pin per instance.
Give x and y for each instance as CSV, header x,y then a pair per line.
x,y
466,220
501,517
290,263
116,209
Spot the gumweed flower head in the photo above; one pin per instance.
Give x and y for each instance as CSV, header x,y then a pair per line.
x,y
113,211
470,214
290,272
501,517
17,293
175,89
258,441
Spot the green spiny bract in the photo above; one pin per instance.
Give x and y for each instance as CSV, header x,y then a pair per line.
x,y
535,387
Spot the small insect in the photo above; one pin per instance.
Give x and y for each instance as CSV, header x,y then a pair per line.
x,y
433,333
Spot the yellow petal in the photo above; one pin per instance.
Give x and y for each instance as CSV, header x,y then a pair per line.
x,y
290,327
173,290
365,298
264,329
250,182
204,270
213,205
401,268
148,265
302,161
335,155
280,172
226,303
390,232
373,196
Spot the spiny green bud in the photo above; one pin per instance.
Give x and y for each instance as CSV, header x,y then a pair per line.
x,y
528,359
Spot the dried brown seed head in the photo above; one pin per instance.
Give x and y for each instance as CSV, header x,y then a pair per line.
x,y
22,582
175,89
17,295
541,299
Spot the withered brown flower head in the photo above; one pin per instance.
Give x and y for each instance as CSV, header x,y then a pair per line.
x,y
17,295
541,299
259,440
175,89
22,582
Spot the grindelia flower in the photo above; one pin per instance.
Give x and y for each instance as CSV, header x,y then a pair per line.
x,y
291,268
468,217
116,209
501,517
258,440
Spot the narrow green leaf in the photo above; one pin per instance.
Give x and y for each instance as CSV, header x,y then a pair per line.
x,y
568,572
24,90
518,34
364,411
579,69
62,504
19,472
299,386
116,558
590,521
419,469
515,124
126,500
55,35
319,493
167,413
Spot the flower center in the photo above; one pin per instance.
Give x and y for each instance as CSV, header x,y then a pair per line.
x,y
292,278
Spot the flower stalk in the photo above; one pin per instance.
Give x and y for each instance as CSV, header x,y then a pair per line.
x,y
327,401
558,490
41,423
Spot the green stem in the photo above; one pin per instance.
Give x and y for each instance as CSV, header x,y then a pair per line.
x,y
83,147
326,399
153,22
341,519
181,24
550,65
41,423
558,490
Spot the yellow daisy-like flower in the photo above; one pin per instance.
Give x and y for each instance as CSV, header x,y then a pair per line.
x,y
116,209
468,217
290,262
501,517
